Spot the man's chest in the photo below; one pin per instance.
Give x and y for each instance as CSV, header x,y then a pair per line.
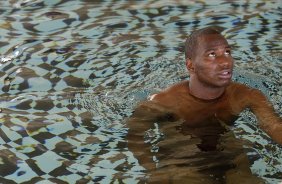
x,y
201,114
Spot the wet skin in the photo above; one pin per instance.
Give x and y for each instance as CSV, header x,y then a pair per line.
x,y
202,109
211,67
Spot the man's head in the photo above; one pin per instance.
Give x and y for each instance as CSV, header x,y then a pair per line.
x,y
208,58
192,41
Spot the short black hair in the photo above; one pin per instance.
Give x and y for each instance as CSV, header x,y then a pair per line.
x,y
191,42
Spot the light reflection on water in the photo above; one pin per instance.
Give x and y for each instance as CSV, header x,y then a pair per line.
x,y
71,71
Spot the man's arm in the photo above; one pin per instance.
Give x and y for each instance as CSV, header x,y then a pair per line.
x,y
143,118
268,119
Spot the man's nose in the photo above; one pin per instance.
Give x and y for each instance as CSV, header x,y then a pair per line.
x,y
225,62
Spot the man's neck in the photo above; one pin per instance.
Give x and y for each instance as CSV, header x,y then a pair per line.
x,y
204,92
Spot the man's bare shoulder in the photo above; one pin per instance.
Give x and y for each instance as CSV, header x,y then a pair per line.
x,y
239,89
242,96
170,92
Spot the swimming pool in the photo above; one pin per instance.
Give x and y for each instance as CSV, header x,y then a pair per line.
x,y
72,71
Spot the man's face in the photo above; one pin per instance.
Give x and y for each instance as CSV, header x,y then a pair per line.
x,y
212,63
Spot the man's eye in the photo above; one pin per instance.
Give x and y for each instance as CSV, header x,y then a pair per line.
x,y
212,54
228,52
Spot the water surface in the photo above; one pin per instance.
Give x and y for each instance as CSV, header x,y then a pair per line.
x,y
72,71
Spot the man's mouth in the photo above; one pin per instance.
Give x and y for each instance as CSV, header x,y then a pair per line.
x,y
226,74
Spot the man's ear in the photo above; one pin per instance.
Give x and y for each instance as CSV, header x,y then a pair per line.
x,y
189,65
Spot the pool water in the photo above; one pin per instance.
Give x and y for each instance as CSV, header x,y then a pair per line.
x,y
71,72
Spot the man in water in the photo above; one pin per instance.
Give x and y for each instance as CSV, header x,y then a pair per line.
x,y
194,117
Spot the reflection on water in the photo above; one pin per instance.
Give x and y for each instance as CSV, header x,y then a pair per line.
x,y
71,71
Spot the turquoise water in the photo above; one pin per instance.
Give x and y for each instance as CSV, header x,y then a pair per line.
x,y
72,71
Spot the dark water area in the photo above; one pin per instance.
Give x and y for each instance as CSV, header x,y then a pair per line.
x,y
72,71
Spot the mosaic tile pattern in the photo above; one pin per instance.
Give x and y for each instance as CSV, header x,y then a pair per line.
x,y
72,71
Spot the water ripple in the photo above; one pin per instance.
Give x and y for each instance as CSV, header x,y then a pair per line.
x,y
71,71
